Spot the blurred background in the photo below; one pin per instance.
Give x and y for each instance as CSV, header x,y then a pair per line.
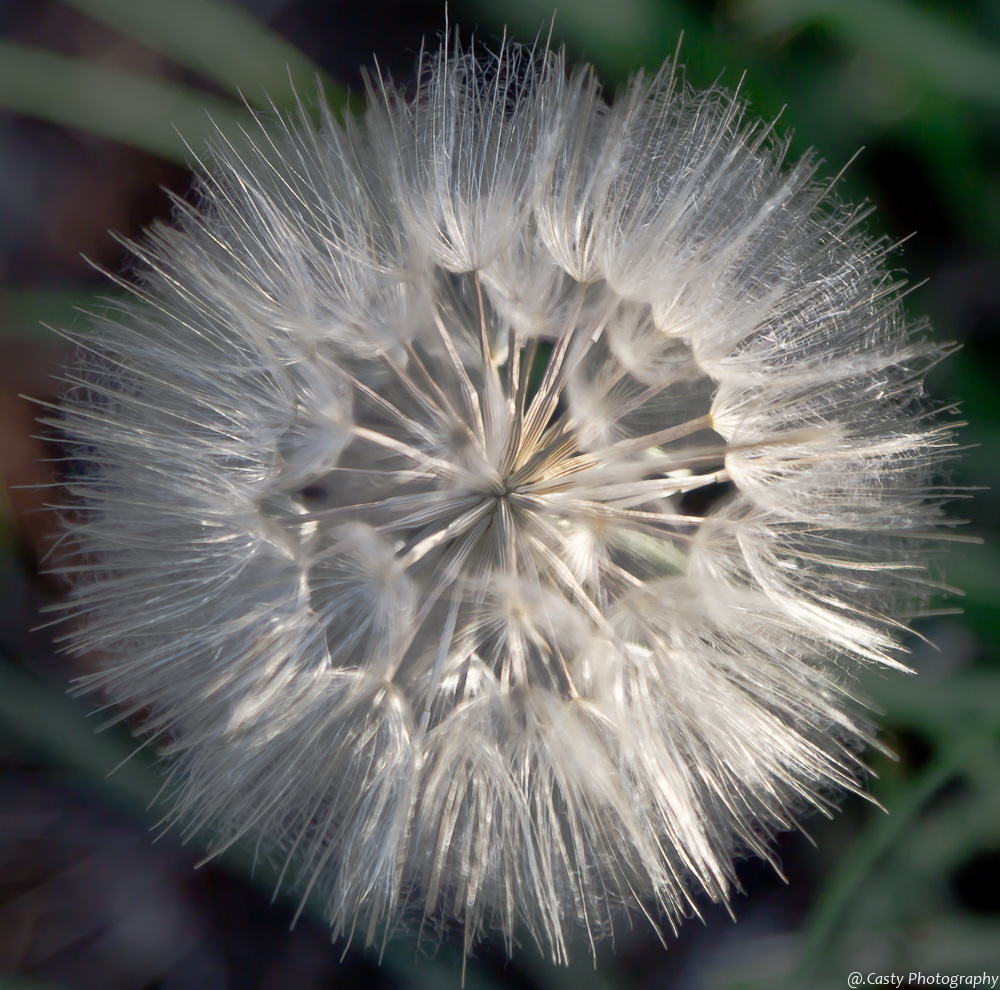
x,y
97,98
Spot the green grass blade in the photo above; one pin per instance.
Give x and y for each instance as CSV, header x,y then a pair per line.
x,y
26,313
874,842
955,61
22,983
222,42
55,728
123,106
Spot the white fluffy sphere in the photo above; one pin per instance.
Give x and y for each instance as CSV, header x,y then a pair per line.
x,y
490,503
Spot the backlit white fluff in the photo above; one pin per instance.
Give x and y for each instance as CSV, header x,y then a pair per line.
x,y
490,503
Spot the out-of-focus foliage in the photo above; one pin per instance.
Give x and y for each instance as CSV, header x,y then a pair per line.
x,y
917,85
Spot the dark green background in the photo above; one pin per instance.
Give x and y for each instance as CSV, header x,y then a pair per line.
x,y
917,86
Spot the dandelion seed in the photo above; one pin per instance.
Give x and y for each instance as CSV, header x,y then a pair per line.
x,y
491,502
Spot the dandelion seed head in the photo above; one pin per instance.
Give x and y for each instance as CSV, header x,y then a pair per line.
x,y
491,502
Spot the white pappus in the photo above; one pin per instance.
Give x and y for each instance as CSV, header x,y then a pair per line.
x,y
490,502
